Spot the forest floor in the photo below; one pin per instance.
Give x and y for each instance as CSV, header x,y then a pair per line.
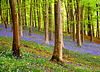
x,y
36,54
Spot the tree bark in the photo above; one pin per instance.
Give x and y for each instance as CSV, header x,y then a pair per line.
x,y
30,28
89,25
67,13
57,53
97,22
50,23
38,15
78,24
16,41
7,11
20,18
72,20
35,14
46,22
25,13
82,25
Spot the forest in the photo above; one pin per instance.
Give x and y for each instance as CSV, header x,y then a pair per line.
x,y
49,35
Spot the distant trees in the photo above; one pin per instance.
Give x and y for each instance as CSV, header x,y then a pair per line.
x,y
80,20
16,42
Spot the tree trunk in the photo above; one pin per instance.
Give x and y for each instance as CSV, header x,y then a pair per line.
x,y
38,14
89,25
57,53
7,11
72,20
20,18
25,13
35,14
30,28
67,8
76,19
78,24
50,23
82,25
46,22
2,16
93,30
97,22
16,41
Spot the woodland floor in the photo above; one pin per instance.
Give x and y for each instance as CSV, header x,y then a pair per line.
x,y
36,54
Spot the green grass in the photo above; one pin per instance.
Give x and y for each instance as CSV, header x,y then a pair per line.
x,y
35,62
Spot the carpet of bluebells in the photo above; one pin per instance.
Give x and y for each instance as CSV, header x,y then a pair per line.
x,y
36,54
87,47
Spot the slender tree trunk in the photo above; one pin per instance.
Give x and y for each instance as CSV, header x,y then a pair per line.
x,y
67,14
91,38
93,30
11,20
78,24
57,53
30,28
35,13
20,18
82,25
38,14
72,20
50,23
89,25
46,22
16,41
23,18
76,19
97,22
25,13
2,16
66,30
7,11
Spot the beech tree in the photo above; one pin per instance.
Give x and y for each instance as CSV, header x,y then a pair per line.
x,y
57,53
78,24
50,22
20,18
82,25
30,28
16,42
34,8
46,22
38,14
72,20
98,32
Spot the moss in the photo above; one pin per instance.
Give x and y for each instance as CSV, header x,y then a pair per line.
x,y
56,59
